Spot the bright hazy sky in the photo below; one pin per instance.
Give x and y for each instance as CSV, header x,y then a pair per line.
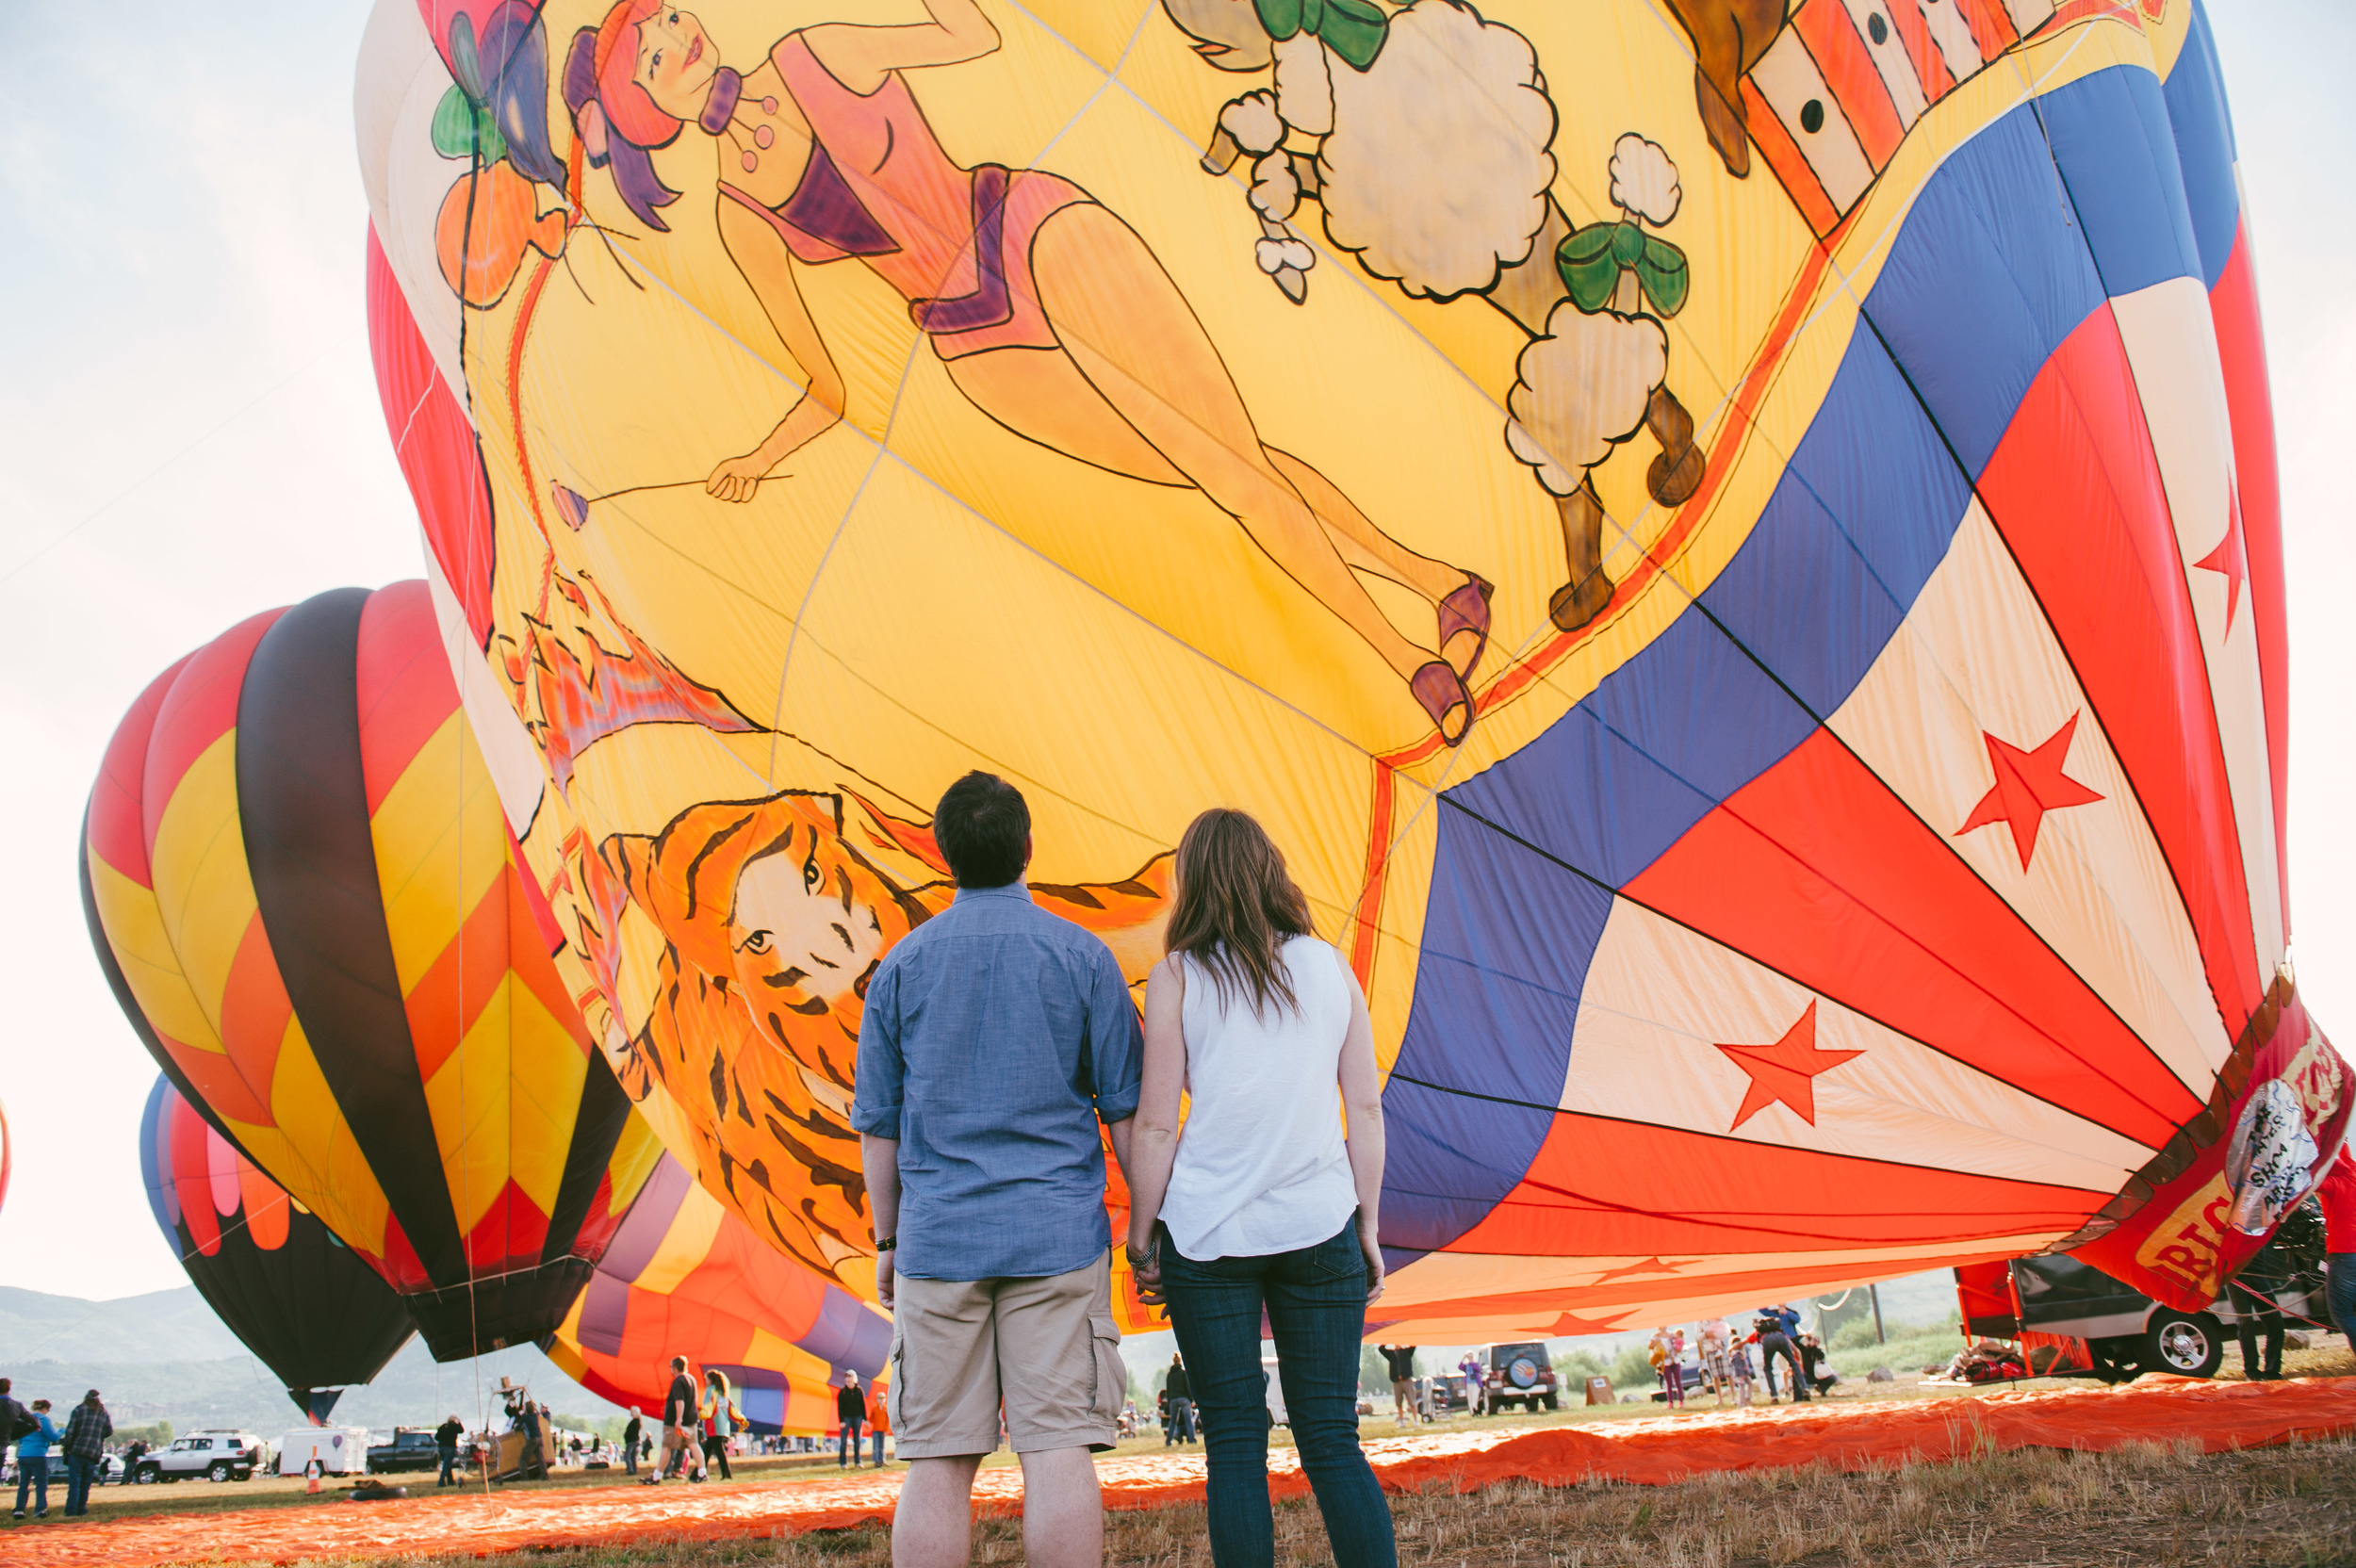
x,y
190,434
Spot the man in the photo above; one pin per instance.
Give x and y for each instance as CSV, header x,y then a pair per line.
x,y
2256,1293
445,1438
1776,1325
2337,1195
1178,1404
850,1410
995,1038
678,1426
533,1465
1401,1359
1813,1373
86,1433
630,1430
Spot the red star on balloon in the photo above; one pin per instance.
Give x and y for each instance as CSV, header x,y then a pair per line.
x,y
2028,784
2231,557
1650,1265
1785,1071
1571,1325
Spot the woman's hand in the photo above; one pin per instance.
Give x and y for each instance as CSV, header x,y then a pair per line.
x,y
739,478
1373,1250
1145,1263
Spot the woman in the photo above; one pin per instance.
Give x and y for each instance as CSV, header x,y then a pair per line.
x,y
1051,314
720,1420
1261,1201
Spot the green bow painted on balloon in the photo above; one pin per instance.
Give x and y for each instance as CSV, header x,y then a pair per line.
x,y
1592,259
1351,28
463,128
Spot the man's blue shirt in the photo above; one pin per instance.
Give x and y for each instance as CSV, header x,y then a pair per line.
x,y
994,1038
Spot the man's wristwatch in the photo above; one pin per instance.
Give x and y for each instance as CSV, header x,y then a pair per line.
x,y
887,1244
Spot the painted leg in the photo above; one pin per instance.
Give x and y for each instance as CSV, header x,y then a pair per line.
x,y
1676,472
1585,593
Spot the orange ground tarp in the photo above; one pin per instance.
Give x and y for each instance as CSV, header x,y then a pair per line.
x,y
1650,1451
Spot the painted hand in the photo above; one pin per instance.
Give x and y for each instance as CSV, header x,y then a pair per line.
x,y
738,478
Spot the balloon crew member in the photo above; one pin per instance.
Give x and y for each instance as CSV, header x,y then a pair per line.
x,y
2337,1194
1400,1359
445,1438
1776,1325
850,1408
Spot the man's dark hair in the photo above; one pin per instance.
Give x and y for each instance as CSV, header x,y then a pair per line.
x,y
981,825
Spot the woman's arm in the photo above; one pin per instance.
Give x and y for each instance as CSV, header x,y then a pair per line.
x,y
1154,1140
1362,1099
763,259
861,57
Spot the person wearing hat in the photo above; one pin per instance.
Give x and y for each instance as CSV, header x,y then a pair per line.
x,y
445,1438
86,1433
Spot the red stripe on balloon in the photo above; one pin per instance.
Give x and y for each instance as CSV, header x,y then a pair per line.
x,y
2241,345
461,982
191,1170
510,1234
1818,872
403,684
254,1012
2075,491
116,825
1602,1187
200,708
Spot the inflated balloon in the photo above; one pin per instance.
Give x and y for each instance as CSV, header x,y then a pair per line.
x,y
298,882
6,1154
686,1277
1734,545
316,1314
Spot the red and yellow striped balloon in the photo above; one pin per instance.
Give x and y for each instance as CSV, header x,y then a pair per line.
x,y
298,880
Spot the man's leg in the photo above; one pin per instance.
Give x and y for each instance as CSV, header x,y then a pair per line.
x,y
932,1525
2340,1291
2246,1327
1063,1509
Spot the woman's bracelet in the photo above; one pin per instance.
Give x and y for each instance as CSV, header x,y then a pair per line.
x,y
1137,1259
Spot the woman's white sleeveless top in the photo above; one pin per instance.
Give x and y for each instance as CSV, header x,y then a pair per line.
x,y
1261,1168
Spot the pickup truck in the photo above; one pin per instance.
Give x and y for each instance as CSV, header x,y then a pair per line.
x,y
411,1449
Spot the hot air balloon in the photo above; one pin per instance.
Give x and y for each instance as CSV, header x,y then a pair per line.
x,y
298,883
1735,545
316,1315
686,1277
6,1154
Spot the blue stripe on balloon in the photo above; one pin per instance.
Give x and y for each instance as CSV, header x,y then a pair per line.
x,y
2203,127
2116,153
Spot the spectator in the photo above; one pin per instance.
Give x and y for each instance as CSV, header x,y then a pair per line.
x,y
1663,1352
678,1426
1739,1368
86,1432
1177,1404
1476,1384
1813,1373
445,1438
878,1420
32,1459
2337,1195
1401,1359
850,1413
1263,1204
995,1040
2257,1292
1717,1342
722,1421
1776,1327
630,1428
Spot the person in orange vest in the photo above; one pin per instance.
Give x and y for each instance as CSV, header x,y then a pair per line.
x,y
878,1418
2337,1195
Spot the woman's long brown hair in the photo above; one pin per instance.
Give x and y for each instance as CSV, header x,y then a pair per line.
x,y
1237,906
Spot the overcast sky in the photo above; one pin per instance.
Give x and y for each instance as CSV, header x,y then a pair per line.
x,y
190,432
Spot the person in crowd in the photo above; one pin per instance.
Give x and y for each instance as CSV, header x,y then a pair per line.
x,y
1177,1403
2337,1195
1739,1369
1476,1373
1262,1203
1665,1351
445,1438
1814,1374
1400,1359
878,1420
1717,1340
1776,1326
630,1430
133,1452
722,1421
87,1429
32,1459
850,1412
994,1040
679,1426
2256,1294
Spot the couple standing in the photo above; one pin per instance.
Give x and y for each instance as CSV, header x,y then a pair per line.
x,y
995,1037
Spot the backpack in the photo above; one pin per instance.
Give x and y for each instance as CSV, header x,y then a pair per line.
x,y
19,1420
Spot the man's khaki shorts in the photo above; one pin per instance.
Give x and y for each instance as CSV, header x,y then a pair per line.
x,y
1047,1348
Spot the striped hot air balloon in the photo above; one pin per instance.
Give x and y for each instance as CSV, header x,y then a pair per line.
x,y
300,884
316,1313
1733,543
686,1277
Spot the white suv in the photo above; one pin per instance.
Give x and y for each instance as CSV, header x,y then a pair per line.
x,y
215,1456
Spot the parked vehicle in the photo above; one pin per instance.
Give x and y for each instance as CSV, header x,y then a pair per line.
x,y
410,1449
217,1456
337,1450
1520,1373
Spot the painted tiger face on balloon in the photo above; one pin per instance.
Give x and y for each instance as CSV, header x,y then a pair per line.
x,y
774,914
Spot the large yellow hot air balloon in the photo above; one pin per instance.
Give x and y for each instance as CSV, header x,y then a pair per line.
x,y
1733,543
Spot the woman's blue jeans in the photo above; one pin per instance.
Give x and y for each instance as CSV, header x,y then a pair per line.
x,y
1315,1301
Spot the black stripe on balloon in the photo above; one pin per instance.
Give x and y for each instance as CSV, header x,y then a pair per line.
x,y
604,1114
130,1005
302,799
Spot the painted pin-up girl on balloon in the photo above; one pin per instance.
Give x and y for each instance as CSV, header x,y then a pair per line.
x,y
1051,314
